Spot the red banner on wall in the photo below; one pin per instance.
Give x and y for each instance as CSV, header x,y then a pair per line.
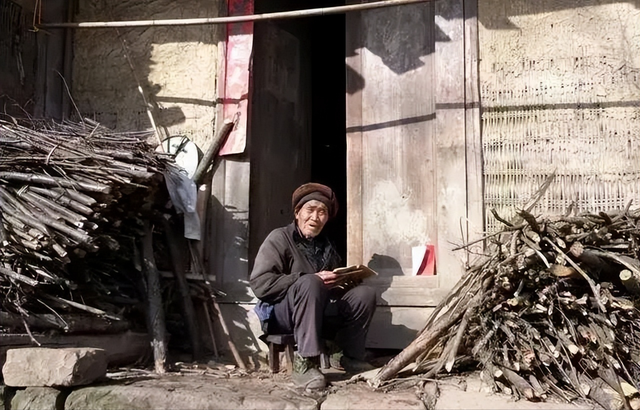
x,y
237,66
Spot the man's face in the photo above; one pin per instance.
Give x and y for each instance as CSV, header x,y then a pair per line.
x,y
311,218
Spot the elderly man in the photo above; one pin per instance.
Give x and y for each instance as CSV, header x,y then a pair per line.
x,y
293,278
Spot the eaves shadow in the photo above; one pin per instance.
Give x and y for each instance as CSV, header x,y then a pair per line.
x,y
504,10
400,36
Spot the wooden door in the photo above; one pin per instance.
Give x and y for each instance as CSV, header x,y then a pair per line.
x,y
408,171
280,143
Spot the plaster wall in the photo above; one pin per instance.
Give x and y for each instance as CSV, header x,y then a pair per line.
x,y
560,87
176,67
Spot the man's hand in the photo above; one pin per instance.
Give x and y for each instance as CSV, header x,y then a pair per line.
x,y
329,278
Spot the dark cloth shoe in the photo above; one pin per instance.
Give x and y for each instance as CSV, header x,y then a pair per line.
x,y
350,365
334,361
306,374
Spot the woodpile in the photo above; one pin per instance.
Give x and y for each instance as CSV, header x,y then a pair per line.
x,y
73,201
550,309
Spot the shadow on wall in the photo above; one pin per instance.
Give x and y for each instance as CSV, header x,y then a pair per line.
x,y
509,9
385,265
237,306
400,36
385,332
163,61
222,254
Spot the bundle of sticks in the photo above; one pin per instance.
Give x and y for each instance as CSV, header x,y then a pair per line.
x,y
71,192
551,308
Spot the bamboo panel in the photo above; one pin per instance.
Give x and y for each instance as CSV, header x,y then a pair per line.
x,y
597,161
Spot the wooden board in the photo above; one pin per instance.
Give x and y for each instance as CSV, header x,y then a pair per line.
x,y
422,291
413,149
390,139
414,155
280,133
451,140
474,227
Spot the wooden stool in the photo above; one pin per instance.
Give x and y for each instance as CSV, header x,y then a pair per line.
x,y
285,342
277,344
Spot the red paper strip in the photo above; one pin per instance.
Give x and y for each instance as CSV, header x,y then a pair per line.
x,y
236,75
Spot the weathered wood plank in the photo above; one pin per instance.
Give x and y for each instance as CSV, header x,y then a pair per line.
x,y
473,137
396,169
422,291
451,144
280,133
353,22
229,219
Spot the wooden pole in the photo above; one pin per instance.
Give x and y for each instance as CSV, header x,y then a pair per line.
x,y
213,150
154,297
210,326
236,19
225,329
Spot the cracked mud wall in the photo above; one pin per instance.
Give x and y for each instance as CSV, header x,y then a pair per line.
x,y
175,65
560,90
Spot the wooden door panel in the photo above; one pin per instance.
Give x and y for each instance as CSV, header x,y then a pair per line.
x,y
280,142
390,138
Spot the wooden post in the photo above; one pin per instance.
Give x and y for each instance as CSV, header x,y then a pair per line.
x,y
154,299
212,151
210,326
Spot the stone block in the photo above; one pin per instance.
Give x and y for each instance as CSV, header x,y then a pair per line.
x,y
172,392
42,367
363,398
41,398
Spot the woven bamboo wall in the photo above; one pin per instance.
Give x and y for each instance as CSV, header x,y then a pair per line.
x,y
560,90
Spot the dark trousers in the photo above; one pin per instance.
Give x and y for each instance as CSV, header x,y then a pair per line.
x,y
313,313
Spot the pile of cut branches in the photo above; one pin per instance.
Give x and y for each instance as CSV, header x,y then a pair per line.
x,y
552,308
73,197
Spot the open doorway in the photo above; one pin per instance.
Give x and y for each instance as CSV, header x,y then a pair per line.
x,y
328,115
298,114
